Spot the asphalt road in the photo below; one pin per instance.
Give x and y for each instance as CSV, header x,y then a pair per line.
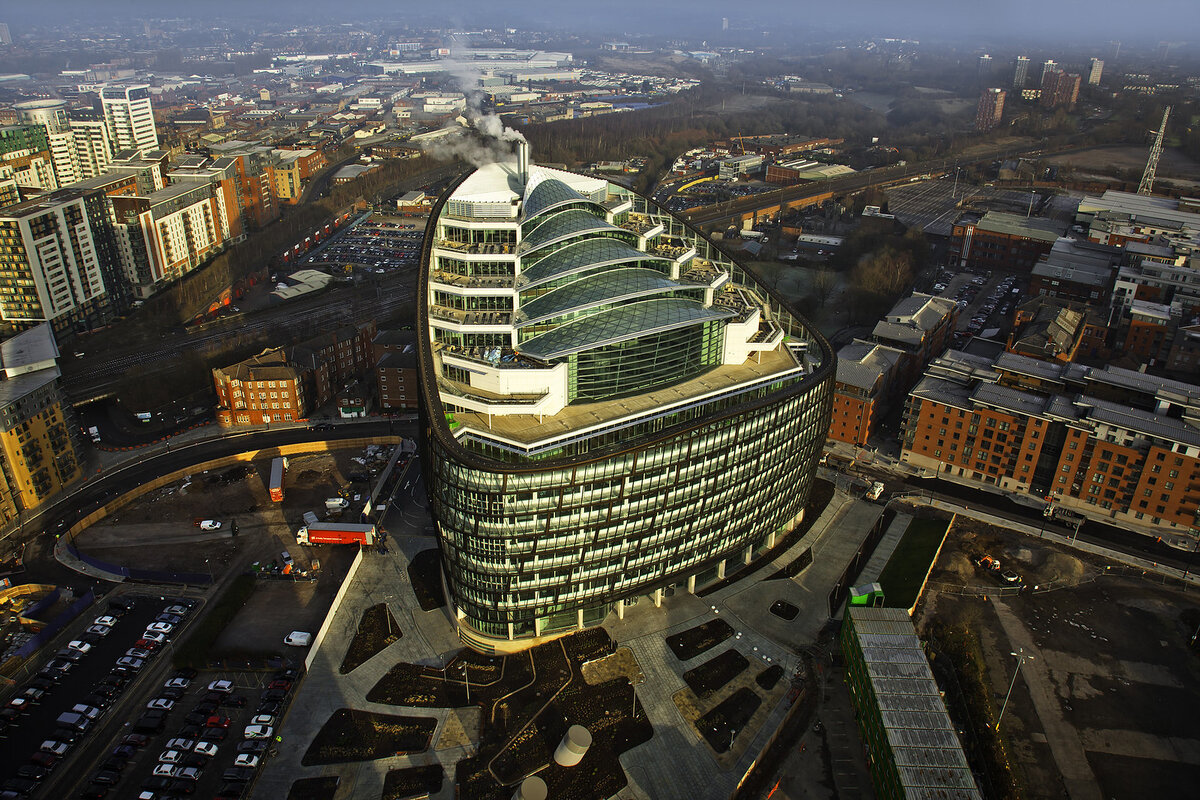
x,y
121,479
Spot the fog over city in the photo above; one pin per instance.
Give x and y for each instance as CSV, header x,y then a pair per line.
x,y
1018,20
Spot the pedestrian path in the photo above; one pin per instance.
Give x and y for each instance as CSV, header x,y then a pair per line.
x,y
885,548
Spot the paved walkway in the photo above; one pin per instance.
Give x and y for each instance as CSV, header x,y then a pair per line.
x,y
1062,736
885,548
428,639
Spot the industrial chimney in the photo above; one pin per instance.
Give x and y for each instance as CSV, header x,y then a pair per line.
x,y
523,160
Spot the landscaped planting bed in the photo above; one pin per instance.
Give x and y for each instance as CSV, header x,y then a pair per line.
x,y
400,784
352,735
784,610
323,788
428,687
722,725
769,677
376,630
523,719
694,641
715,673
425,572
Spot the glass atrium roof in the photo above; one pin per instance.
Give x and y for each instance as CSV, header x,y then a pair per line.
x,y
565,225
604,287
619,324
582,255
550,192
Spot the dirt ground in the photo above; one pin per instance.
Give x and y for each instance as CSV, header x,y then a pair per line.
x,y
158,530
1107,699
1104,162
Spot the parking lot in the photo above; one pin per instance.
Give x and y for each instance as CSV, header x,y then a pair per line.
x,y
88,677
985,301
379,243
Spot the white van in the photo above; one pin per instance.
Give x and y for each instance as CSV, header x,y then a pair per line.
x,y
298,639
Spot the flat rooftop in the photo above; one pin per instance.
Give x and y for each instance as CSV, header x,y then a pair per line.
x,y
578,419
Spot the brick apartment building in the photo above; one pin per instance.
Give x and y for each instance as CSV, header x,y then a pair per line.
x,y
873,374
283,384
1002,241
396,370
1053,330
286,384
1109,442
866,379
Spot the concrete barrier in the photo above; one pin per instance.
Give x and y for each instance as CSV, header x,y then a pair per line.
x,y
333,609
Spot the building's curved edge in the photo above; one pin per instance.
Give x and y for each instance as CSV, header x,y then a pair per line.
x,y
433,412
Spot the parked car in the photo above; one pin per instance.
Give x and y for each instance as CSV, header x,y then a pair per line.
x,y
210,525
107,621
225,687
161,702
206,749
258,732
159,627
82,647
177,683
130,662
246,760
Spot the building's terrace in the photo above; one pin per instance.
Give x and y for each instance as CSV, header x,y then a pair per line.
x,y
525,430
470,317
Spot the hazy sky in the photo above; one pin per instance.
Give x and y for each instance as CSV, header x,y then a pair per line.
x,y
969,20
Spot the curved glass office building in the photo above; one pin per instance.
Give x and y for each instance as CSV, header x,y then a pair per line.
x,y
612,406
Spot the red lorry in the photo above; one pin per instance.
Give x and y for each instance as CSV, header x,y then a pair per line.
x,y
278,467
336,533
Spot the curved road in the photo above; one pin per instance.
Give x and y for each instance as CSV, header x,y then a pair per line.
x,y
120,479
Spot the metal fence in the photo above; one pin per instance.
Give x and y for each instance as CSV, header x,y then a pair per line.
x,y
137,574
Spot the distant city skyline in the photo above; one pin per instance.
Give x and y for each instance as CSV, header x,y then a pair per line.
x,y
933,19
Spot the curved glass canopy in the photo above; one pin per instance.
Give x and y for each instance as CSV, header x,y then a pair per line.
x,y
604,287
621,323
580,256
565,225
549,193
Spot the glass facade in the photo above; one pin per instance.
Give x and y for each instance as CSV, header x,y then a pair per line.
x,y
681,413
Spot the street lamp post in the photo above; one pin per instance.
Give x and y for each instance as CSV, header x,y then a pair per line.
x,y
1021,656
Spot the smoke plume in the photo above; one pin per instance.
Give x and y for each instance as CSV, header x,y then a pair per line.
x,y
479,137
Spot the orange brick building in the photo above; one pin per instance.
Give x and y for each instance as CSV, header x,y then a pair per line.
x,y
1110,443
866,382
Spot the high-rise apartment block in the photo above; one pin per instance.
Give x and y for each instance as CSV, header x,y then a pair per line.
x,y
990,110
50,263
93,144
1095,70
25,157
1048,66
1060,90
39,439
1020,72
130,117
613,406
51,115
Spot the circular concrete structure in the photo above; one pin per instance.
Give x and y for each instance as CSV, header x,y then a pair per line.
x,y
573,747
532,788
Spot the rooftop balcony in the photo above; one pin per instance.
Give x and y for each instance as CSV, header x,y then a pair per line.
x,y
500,357
640,224
704,272
476,248
463,317
472,281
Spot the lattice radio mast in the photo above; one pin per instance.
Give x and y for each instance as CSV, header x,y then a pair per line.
x,y
1155,151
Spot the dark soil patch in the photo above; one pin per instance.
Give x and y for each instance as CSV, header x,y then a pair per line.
x,y
769,677
376,630
721,726
351,735
715,673
322,788
784,610
399,784
694,641
818,498
425,572
307,477
429,687
512,700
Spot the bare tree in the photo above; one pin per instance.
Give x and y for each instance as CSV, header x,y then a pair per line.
x,y
823,283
